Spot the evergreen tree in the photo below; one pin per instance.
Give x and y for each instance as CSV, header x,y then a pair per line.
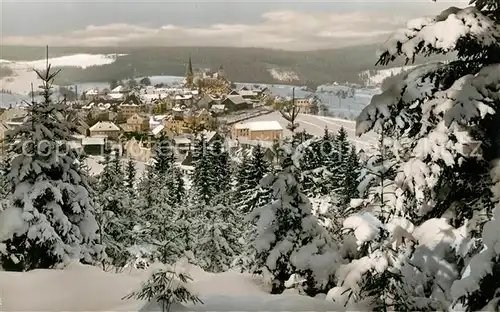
x,y
301,137
130,177
48,193
178,187
249,193
240,177
165,286
4,179
218,242
218,157
347,175
342,147
161,201
163,157
117,215
146,188
315,170
164,234
287,228
204,179
186,223
434,115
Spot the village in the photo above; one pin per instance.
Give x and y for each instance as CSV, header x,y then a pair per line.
x,y
132,119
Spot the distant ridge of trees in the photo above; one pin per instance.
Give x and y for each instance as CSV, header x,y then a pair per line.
x,y
240,64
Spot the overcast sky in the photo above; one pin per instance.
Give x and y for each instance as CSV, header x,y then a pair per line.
x,y
274,24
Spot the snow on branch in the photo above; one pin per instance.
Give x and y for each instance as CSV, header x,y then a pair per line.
x,y
481,264
410,87
470,97
440,34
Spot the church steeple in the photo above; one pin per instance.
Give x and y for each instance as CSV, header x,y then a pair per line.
x,y
220,72
190,67
189,74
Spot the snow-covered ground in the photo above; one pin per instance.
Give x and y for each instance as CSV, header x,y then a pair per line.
x,y
24,75
84,288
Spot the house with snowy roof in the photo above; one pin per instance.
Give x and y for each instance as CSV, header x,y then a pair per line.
x,y
3,131
206,102
105,129
91,94
235,103
13,115
258,131
138,122
128,110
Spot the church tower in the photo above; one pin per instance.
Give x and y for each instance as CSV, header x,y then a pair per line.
x,y
220,72
189,74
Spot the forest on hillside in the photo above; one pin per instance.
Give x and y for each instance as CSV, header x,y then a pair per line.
x,y
250,65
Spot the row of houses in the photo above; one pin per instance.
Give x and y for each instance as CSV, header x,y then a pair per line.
x,y
162,100
173,125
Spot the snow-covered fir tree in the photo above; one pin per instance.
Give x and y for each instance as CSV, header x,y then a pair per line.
x,y
166,286
4,180
316,171
163,198
50,214
145,187
249,193
434,116
347,173
163,156
117,211
130,177
218,156
289,238
218,242
164,234
204,179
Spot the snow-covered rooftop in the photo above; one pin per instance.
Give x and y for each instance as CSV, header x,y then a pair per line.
x,y
271,125
93,141
157,129
247,93
182,140
218,107
92,92
104,126
118,89
183,97
116,96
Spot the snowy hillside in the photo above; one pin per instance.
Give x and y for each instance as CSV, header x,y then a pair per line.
x,y
24,75
75,60
374,78
16,100
86,288
283,75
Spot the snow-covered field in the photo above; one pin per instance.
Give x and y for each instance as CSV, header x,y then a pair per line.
x,y
24,75
84,288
